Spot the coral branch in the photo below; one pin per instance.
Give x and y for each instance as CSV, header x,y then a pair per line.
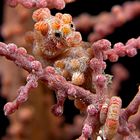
x,y
22,95
106,22
112,120
91,122
73,68
58,4
64,88
18,55
58,83
55,81
131,109
120,50
98,66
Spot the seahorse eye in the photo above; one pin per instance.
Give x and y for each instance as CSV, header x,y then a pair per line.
x,y
57,34
71,25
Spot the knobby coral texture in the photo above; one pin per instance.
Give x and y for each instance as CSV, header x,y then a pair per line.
x,y
75,69
106,22
58,4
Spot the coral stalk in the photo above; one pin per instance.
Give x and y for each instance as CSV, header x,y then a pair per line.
x,y
58,4
130,110
27,62
106,22
64,88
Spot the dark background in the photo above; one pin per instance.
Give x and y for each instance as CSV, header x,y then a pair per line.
x,y
127,31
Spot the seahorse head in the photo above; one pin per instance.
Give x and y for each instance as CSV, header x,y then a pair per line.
x,y
54,33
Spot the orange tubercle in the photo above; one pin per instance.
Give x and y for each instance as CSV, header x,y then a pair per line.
x,y
111,123
42,27
59,64
56,24
66,30
66,18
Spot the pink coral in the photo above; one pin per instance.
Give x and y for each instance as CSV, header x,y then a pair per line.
x,y
104,115
58,4
62,87
106,22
